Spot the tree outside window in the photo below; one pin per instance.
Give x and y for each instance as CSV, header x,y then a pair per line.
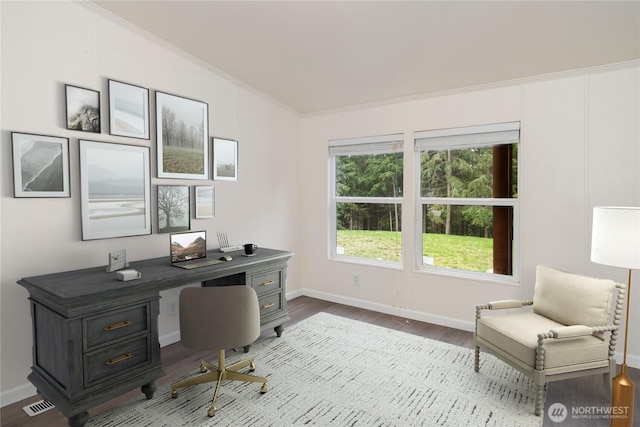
x,y
468,199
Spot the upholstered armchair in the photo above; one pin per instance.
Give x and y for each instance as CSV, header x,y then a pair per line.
x,y
565,333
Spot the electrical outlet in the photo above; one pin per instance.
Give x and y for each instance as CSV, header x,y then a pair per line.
x,y
172,308
356,279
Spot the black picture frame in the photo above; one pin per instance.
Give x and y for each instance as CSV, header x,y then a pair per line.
x,y
174,208
182,129
82,107
115,187
128,110
40,165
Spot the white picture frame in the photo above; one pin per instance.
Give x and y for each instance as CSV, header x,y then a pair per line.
x,y
40,165
205,201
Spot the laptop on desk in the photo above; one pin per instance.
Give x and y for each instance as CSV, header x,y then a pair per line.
x,y
189,250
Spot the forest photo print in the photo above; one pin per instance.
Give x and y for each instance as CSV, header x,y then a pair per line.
x,y
182,137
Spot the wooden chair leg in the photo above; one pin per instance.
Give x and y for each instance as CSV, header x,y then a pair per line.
x,y
476,366
540,398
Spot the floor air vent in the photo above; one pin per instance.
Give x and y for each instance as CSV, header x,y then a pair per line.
x,y
37,408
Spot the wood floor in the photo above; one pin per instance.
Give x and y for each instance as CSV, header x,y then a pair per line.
x,y
586,394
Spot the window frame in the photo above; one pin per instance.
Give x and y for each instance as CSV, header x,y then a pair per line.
x,y
361,146
457,141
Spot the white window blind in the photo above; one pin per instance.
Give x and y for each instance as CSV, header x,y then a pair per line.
x,y
367,145
468,137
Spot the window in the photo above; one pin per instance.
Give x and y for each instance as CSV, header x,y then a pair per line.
x,y
366,199
467,204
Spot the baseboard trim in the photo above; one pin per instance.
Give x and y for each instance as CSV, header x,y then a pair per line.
x,y
633,361
395,311
168,339
17,394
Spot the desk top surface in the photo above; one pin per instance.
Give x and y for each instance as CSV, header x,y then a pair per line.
x,y
157,274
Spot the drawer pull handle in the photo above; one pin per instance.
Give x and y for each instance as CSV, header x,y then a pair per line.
x,y
271,304
267,283
118,325
119,359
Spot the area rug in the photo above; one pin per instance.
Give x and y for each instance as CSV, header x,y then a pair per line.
x,y
331,371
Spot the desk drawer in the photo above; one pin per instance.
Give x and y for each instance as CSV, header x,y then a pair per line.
x,y
268,281
114,360
115,325
270,304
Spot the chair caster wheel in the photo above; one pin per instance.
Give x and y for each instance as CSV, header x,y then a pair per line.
x,y
211,412
203,369
174,393
263,389
252,367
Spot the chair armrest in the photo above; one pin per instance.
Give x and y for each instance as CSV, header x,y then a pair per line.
x,y
499,305
571,331
505,303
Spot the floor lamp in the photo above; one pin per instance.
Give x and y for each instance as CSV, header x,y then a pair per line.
x,y
615,241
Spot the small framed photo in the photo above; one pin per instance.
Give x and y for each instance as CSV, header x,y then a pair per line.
x,y
115,187
128,110
40,165
225,159
205,196
182,137
83,109
173,208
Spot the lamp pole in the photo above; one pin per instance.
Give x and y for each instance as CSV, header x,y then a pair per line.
x,y
622,387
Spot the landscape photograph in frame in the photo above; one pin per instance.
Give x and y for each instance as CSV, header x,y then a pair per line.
x,y
205,196
174,212
40,165
182,137
128,110
115,183
83,109
225,159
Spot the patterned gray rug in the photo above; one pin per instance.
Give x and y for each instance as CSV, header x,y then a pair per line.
x,y
331,371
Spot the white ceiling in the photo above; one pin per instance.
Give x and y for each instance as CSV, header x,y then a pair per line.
x,y
322,55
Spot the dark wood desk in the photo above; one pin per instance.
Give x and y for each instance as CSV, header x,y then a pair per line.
x,y
95,337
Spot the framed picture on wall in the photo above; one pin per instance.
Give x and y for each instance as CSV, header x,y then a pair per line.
x,y
205,196
115,186
83,109
182,137
40,165
225,159
173,208
128,110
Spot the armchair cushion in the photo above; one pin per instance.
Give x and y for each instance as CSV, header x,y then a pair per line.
x,y
580,300
517,335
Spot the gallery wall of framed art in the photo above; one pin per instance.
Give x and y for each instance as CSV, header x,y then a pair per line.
x,y
115,178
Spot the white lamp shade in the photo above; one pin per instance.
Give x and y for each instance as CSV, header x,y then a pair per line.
x,y
615,238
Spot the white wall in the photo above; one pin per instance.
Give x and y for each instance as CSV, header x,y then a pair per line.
x,y
580,147
46,45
